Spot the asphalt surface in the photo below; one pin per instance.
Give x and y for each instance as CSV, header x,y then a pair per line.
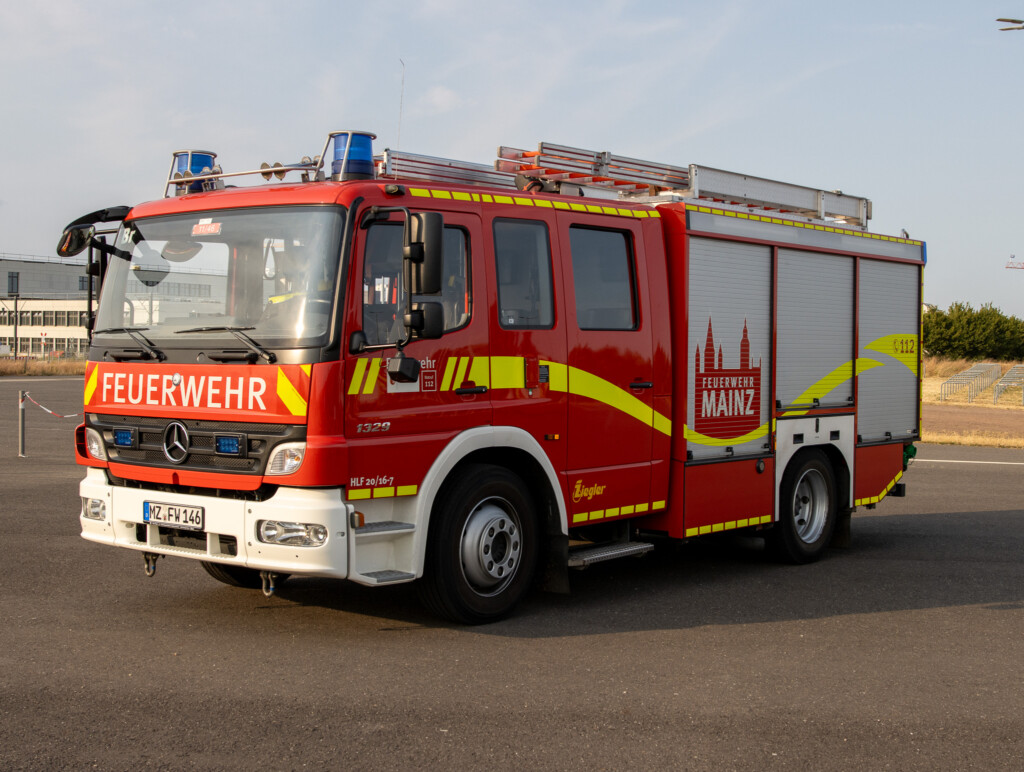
x,y
902,652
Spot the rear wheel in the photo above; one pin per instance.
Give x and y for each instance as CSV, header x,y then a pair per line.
x,y
482,551
807,509
238,576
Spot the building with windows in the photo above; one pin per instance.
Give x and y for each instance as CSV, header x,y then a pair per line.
x,y
45,308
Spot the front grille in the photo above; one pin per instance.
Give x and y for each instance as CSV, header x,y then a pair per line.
x,y
256,442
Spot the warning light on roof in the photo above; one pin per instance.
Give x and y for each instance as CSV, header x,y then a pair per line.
x,y
353,155
192,163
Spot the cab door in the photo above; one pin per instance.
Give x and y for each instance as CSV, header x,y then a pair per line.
x,y
610,373
396,430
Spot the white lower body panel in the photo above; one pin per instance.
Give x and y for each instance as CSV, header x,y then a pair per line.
x,y
229,534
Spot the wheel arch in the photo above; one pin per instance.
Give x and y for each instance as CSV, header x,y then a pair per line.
x,y
506,446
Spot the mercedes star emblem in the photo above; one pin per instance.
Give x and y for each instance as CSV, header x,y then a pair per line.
x,y
176,442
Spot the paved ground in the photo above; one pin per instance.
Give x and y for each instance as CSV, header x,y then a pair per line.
x,y
902,652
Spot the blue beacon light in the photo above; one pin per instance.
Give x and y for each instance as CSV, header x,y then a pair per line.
x,y
195,162
353,155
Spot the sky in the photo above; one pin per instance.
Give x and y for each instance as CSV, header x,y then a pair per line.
x,y
912,104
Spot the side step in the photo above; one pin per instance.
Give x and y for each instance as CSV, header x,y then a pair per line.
x,y
583,557
389,577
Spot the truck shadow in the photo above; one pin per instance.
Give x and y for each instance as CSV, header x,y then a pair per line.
x,y
896,563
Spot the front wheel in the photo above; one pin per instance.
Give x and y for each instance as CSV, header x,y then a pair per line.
x,y
807,509
482,551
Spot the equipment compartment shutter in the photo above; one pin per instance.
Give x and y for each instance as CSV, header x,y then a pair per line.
x,y
815,335
887,399
729,345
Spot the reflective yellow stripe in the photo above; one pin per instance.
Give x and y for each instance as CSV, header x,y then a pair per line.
x,y
357,376
307,369
90,385
289,395
460,373
508,373
880,496
383,493
358,495
584,384
406,490
890,345
480,372
449,371
703,439
834,379
373,367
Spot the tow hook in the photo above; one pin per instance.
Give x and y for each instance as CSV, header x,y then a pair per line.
x,y
150,559
268,577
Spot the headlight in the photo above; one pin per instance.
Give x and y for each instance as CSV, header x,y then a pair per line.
x,y
291,534
94,509
94,444
287,458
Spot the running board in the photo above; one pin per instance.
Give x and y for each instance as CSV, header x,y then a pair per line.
x,y
388,577
581,558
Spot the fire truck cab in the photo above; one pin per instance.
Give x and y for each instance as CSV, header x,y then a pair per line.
x,y
405,368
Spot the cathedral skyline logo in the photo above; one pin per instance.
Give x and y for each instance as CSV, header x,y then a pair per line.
x,y
727,401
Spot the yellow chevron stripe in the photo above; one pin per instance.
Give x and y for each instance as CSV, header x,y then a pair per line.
x,y
373,368
288,394
357,376
90,385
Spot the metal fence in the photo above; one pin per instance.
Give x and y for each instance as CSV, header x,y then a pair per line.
x,y
975,379
1014,378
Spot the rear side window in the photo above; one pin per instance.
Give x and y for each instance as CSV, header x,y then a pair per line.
x,y
603,279
523,261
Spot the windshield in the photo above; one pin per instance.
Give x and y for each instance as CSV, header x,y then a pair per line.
x,y
269,271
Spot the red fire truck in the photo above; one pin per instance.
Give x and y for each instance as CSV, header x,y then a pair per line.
x,y
403,368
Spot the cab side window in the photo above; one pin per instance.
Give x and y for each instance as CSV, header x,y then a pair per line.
x,y
523,261
603,279
383,296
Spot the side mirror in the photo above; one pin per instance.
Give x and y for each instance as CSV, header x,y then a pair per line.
x,y
75,239
424,248
426,320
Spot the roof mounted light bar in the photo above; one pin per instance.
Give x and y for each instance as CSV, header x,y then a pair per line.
x,y
194,171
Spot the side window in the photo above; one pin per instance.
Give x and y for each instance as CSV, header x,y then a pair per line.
x,y
382,301
603,278
523,261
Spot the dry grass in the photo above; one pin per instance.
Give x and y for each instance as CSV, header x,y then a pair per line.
x,y
42,367
977,439
937,371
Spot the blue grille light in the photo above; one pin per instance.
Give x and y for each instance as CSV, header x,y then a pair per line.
x,y
228,445
194,161
353,155
123,438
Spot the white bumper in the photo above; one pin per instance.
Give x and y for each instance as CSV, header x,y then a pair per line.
x,y
230,527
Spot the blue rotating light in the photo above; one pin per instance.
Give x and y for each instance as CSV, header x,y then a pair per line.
x,y
353,155
123,438
194,162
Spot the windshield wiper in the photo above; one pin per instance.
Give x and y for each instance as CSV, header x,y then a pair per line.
x,y
238,332
136,334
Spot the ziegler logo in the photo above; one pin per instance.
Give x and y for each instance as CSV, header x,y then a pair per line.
x,y
580,492
727,401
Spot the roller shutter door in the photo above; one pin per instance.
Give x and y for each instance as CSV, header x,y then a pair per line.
x,y
729,348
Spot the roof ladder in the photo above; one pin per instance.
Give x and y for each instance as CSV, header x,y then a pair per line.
x,y
635,177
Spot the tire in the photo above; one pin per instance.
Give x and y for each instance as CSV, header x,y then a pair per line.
x,y
807,509
482,551
239,576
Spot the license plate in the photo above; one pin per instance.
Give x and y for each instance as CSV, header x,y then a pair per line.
x,y
175,515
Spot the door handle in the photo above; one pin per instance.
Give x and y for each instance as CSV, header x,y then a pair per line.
x,y
471,390
641,385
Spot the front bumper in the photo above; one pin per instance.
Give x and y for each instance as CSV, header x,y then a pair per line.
x,y
230,527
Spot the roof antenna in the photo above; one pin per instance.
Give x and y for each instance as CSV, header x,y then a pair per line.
x,y
401,99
